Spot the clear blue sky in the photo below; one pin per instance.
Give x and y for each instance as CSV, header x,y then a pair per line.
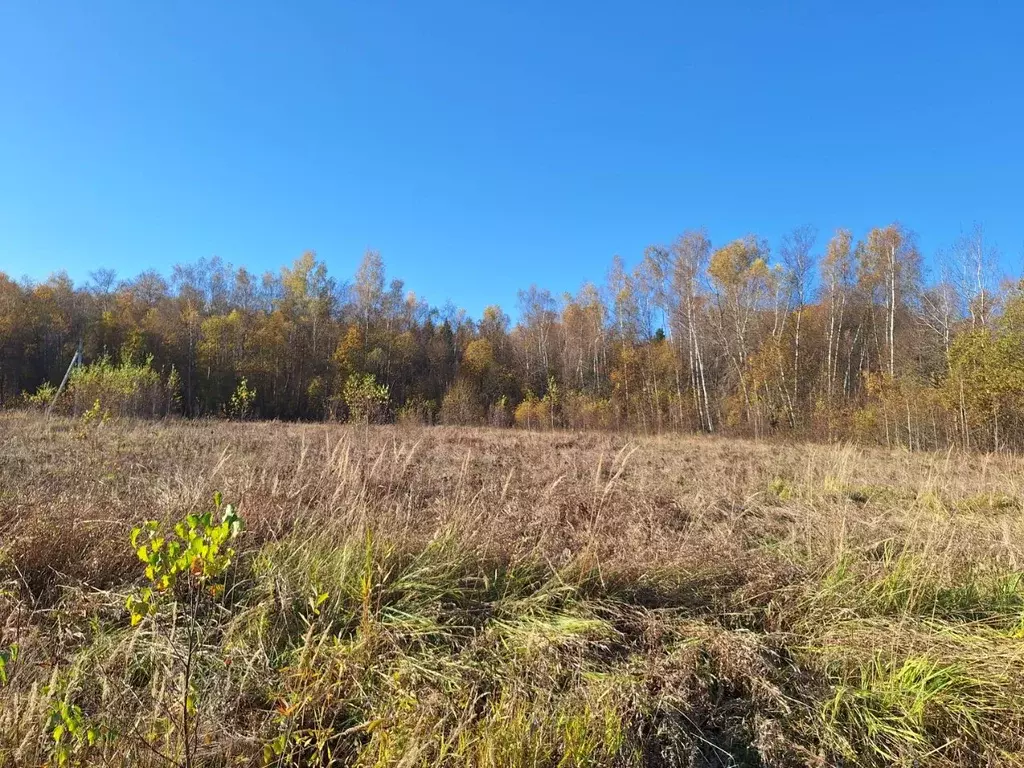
x,y
481,146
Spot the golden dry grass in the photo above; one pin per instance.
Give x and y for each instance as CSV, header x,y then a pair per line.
x,y
504,598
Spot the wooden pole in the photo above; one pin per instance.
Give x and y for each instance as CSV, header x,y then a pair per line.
x,y
77,359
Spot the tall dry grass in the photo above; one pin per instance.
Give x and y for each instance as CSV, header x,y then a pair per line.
x,y
495,598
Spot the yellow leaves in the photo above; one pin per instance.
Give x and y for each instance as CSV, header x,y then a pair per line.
x,y
729,263
218,334
740,264
479,356
532,413
296,281
582,411
140,606
986,374
349,354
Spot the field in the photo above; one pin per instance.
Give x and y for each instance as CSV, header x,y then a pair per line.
x,y
469,597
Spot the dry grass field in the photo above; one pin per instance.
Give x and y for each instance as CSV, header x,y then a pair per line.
x,y
504,598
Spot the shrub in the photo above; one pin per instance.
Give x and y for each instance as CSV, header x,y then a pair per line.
x,y
866,423
42,397
543,413
95,415
527,414
185,566
461,405
128,389
582,411
417,412
366,400
240,406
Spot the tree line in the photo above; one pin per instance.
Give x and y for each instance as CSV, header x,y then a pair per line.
x,y
836,339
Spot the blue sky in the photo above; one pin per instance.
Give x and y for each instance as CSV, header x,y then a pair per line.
x,y
482,146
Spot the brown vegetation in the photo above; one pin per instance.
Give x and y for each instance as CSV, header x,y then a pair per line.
x,y
486,597
844,340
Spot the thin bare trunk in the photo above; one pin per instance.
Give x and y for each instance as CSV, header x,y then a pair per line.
x,y
892,312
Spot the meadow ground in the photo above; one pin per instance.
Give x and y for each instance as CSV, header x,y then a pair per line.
x,y
420,597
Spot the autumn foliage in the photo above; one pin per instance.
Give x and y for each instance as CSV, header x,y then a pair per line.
x,y
844,339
